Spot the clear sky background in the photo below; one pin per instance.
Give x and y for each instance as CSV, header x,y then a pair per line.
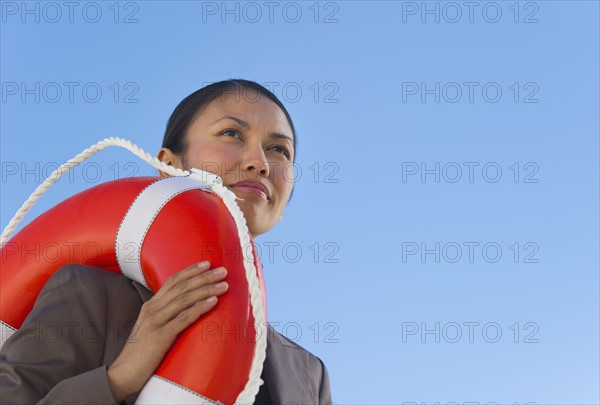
x,y
442,242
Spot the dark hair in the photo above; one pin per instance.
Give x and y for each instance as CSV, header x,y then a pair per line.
x,y
191,106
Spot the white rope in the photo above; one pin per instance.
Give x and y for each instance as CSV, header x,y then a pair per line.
x,y
254,382
65,167
250,391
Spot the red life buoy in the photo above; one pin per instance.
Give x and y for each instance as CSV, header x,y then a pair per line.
x,y
149,228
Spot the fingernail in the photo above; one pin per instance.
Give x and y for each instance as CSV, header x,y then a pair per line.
x,y
211,300
203,264
219,271
221,285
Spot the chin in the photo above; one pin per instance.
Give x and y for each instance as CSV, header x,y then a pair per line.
x,y
256,229
251,215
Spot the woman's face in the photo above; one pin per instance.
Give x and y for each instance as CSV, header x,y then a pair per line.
x,y
245,139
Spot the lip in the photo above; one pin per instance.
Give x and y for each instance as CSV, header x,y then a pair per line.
x,y
254,187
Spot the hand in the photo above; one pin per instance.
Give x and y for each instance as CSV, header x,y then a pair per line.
x,y
183,298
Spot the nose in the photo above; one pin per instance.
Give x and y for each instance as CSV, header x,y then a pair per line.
x,y
256,164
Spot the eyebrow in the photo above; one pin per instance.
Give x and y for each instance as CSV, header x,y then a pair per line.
x,y
247,126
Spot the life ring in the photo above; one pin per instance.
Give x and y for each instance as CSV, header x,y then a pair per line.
x,y
149,228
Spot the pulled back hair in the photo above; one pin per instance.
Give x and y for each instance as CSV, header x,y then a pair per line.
x,y
193,105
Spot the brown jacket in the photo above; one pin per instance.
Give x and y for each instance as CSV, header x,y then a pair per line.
x,y
79,325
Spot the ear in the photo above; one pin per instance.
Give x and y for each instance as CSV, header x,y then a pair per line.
x,y
166,156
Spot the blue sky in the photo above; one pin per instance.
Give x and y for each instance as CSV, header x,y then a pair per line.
x,y
442,242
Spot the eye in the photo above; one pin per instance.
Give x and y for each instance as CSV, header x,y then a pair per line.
x,y
281,149
235,133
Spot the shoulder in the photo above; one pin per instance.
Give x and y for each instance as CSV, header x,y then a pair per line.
x,y
316,365
79,288
295,361
88,279
81,274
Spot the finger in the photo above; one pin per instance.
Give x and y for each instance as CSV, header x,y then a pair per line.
x,y
190,315
156,304
194,283
185,301
185,274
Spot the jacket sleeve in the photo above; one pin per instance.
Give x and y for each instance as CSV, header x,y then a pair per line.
x,y
325,389
61,352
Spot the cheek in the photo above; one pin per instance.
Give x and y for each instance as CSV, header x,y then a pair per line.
x,y
287,174
210,158
283,178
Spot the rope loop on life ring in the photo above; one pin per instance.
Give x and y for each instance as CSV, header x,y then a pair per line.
x,y
212,183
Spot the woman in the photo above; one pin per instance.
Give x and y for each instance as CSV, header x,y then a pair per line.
x,y
240,131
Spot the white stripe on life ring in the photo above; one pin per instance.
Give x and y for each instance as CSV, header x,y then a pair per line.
x,y
139,217
160,391
6,331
